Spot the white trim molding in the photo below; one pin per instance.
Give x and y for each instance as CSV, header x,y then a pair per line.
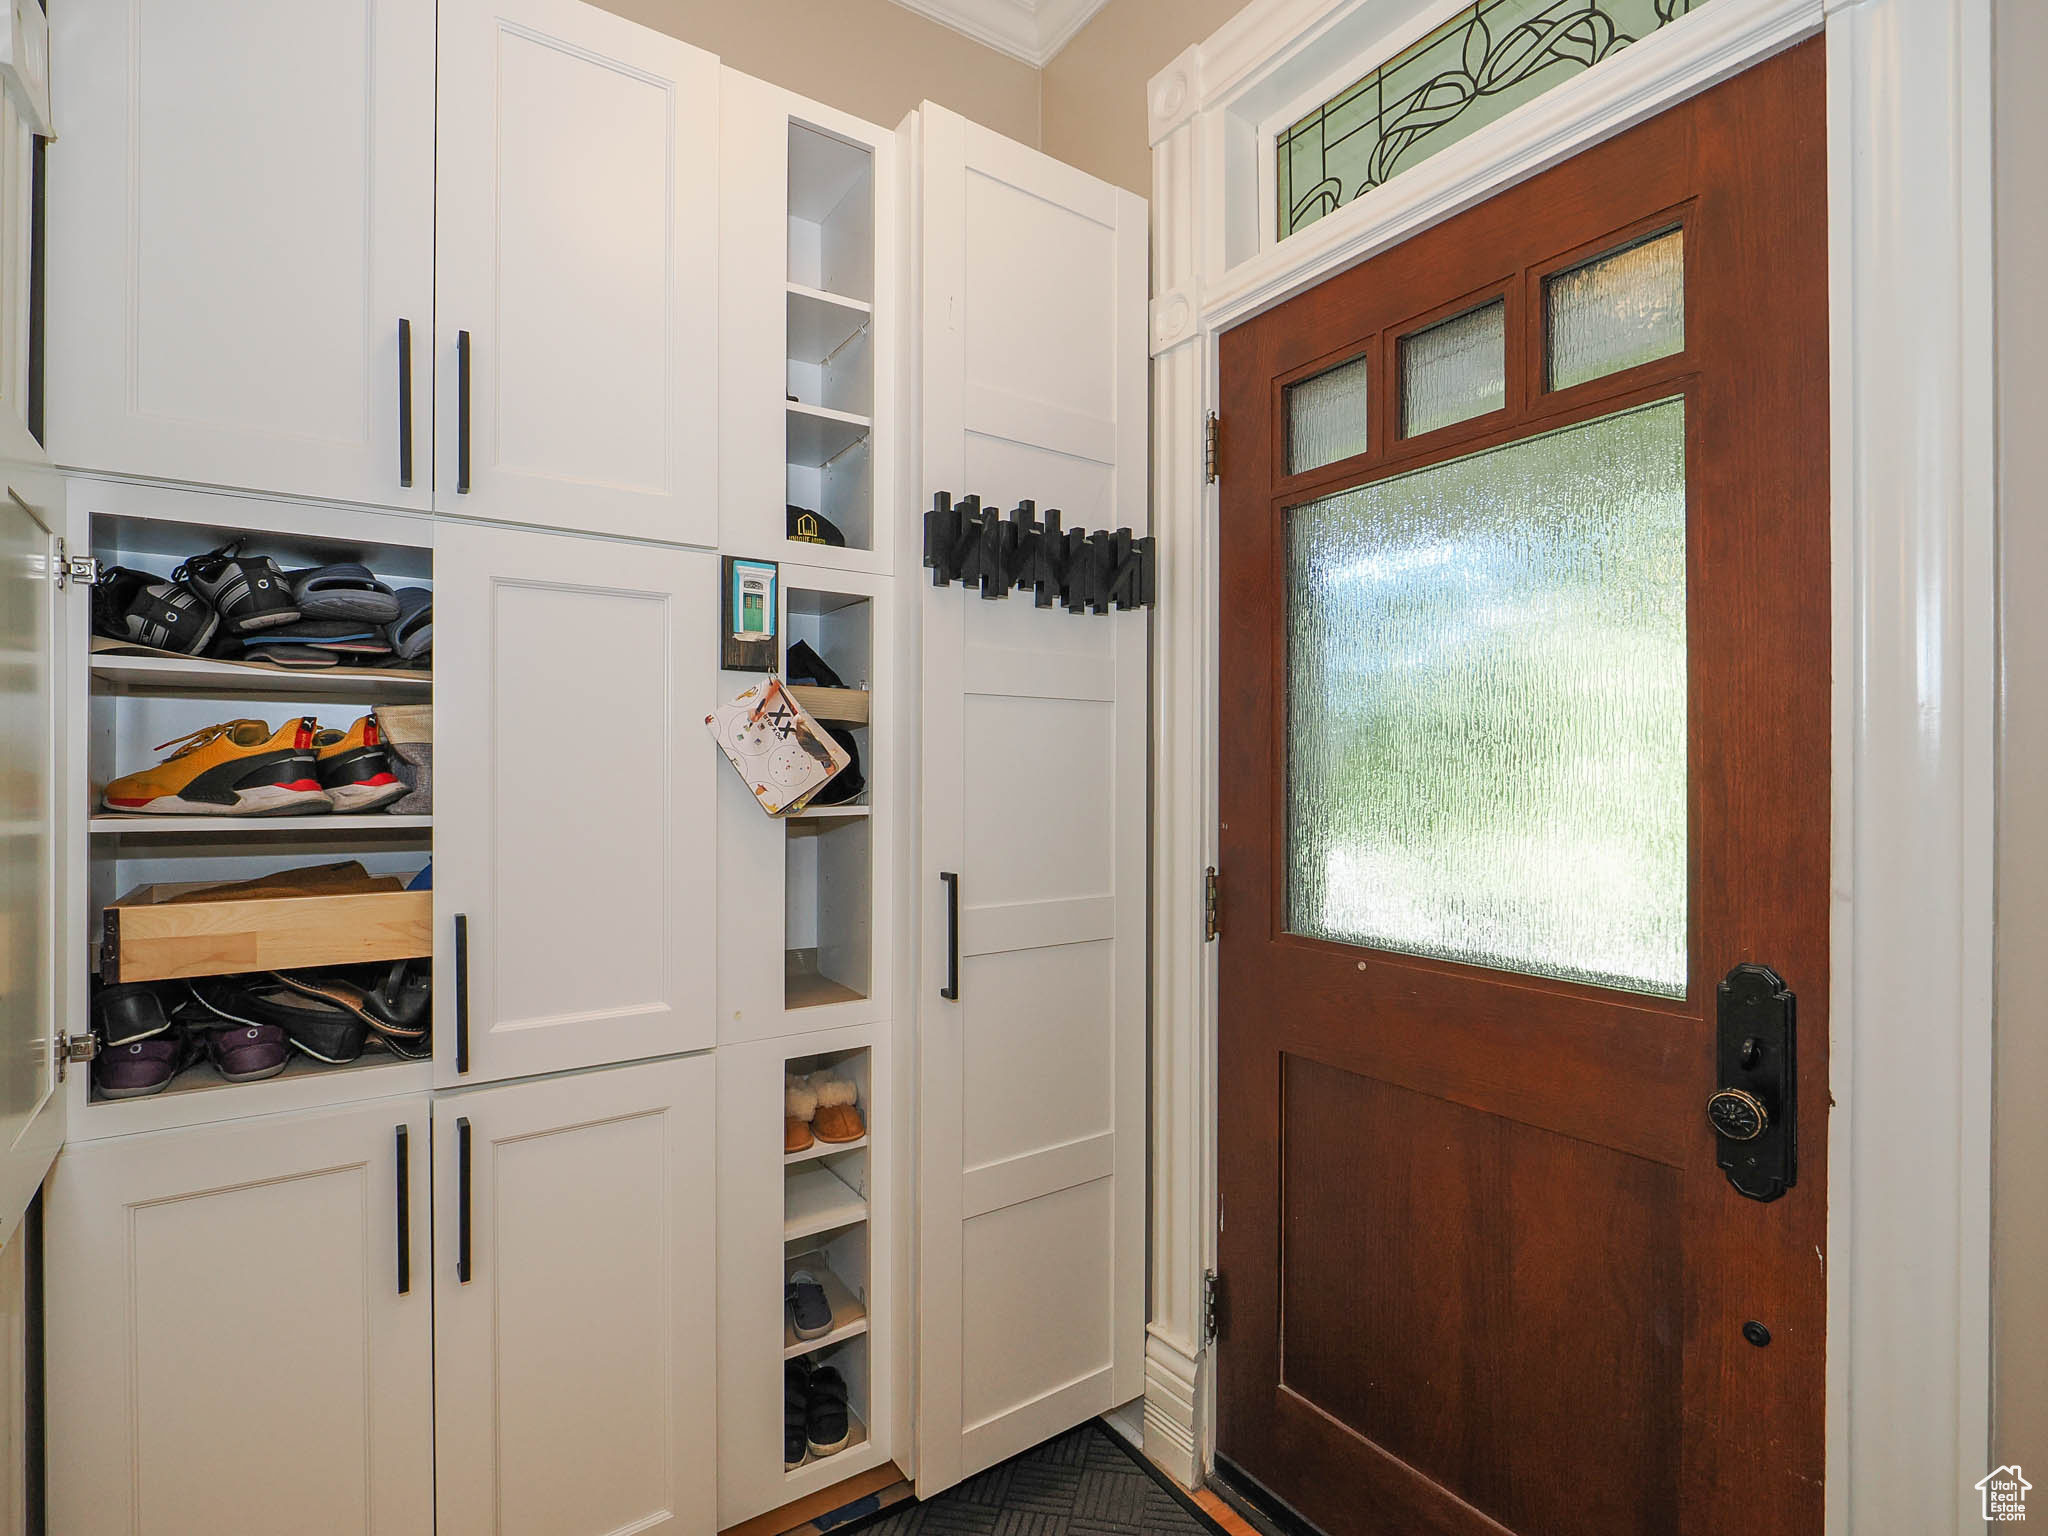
x,y
1031,30
1909,204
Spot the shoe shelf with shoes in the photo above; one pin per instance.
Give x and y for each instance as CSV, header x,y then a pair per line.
x,y
819,1308
118,665
820,1416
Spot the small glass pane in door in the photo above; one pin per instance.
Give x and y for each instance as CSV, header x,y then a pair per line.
x,y
1486,732
1619,311
1326,417
1454,370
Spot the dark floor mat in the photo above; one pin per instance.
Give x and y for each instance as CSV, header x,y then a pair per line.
x,y
1082,1484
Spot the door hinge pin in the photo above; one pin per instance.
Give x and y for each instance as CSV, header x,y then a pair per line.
x,y
1212,1305
1211,923
72,1048
1212,453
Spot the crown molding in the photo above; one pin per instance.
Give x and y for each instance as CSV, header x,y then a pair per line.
x,y
1030,30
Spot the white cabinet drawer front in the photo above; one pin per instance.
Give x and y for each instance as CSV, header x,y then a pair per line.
x,y
575,1365
229,263
577,204
575,829
228,1349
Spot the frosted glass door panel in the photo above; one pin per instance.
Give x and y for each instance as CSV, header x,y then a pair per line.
x,y
1487,703
1455,370
1620,311
1326,417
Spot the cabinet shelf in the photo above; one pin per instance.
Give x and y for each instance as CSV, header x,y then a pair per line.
x,y
818,434
835,706
859,1438
374,823
817,1200
849,1317
161,672
818,1149
810,990
820,323
827,812
146,936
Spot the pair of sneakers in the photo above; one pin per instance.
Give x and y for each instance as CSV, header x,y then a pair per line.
x,y
815,1420
244,768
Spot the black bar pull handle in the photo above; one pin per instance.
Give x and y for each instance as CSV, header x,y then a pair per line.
x,y
404,1139
462,413
462,1200
405,403
461,992
951,990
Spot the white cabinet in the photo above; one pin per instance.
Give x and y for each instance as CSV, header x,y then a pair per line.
x,y
241,218
233,1343
575,1369
575,826
577,275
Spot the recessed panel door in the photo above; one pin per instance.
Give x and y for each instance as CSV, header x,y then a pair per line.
x,y
576,271
575,830
241,245
1524,803
1031,1081
574,1375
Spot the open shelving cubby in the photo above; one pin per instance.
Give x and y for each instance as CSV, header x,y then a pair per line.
x,y
826,1231
829,383
828,849
138,699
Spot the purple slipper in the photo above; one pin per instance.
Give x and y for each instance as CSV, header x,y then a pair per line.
x,y
141,1067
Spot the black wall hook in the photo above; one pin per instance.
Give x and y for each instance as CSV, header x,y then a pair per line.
x,y
1082,572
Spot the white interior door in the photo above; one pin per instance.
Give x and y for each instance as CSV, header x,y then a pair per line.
x,y
574,1360
577,272
229,1345
575,829
1032,1082
241,214
31,884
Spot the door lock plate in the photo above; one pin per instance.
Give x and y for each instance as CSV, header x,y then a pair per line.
x,y
1753,1111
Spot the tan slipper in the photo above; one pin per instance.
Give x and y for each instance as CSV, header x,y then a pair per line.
x,y
796,1136
838,1118
799,1104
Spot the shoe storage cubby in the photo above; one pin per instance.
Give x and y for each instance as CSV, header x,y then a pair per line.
x,y
153,880
829,387
828,949
824,1208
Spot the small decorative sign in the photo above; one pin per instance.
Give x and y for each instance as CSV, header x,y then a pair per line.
x,y
747,616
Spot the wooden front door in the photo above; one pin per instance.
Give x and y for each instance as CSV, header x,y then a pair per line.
x,y
1525,685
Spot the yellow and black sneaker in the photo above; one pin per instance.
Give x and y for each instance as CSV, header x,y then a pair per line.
x,y
241,768
355,768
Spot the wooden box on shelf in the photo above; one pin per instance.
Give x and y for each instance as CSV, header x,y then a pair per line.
x,y
835,706
145,936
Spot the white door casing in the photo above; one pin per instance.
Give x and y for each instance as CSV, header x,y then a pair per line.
x,y
229,266
574,1366
228,1348
577,250
575,822
1031,1084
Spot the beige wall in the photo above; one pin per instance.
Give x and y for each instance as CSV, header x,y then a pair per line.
x,y
868,57
1092,110
2019,1246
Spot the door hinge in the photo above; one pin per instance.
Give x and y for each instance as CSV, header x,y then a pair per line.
x,y
1212,453
69,568
72,1048
1211,923
1212,1305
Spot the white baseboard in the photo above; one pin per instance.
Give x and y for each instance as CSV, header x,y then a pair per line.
x,y
1169,1443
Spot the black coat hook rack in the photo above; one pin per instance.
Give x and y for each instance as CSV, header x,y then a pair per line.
x,y
1080,571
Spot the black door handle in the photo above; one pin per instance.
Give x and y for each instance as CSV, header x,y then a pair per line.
x,y
403,1137
405,403
462,1200
462,413
1754,1112
951,990
461,992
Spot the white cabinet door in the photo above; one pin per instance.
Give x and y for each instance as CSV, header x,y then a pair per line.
x,y
233,1341
577,272
241,217
34,805
575,1372
575,831
1031,1081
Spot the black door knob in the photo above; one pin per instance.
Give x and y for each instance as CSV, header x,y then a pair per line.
x,y
1736,1115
